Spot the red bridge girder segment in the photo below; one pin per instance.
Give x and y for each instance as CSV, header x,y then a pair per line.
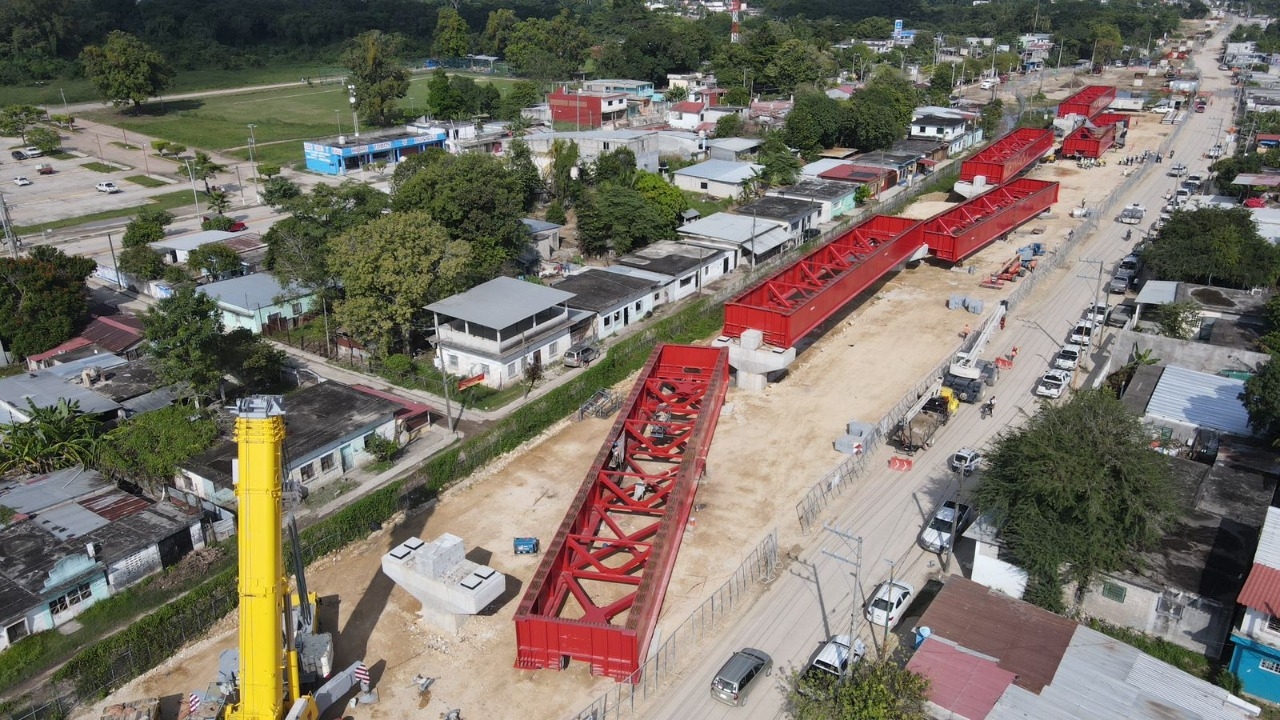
x,y
1005,158
598,590
956,233
793,301
1091,100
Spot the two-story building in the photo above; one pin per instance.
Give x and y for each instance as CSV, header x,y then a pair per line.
x,y
258,302
499,327
643,144
617,301
586,110
1256,658
717,178
685,115
461,136
636,89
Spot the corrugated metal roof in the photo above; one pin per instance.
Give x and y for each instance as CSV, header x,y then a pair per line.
x,y
732,228
45,389
250,292
961,682
1268,552
193,241
726,171
114,505
500,303
72,368
44,491
1261,590
70,521
1201,400
1158,292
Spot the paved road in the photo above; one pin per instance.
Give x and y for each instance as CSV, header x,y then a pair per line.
x,y
814,597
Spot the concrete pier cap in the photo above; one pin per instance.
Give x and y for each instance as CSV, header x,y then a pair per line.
x,y
753,359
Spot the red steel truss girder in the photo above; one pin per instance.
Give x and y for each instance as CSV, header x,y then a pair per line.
x,y
792,302
954,234
1008,156
610,561
1090,101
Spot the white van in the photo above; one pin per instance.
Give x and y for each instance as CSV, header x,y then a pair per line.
x,y
988,84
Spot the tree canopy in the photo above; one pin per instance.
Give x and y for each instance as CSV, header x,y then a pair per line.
x,y
1261,397
53,437
619,218
879,688
1076,491
125,70
373,60
1214,246
148,448
184,332
42,299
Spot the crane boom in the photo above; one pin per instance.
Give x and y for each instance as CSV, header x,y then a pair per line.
x,y
965,364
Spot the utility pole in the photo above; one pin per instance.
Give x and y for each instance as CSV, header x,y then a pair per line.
x,y
1095,337
252,166
195,198
855,543
114,264
9,235
884,649
355,119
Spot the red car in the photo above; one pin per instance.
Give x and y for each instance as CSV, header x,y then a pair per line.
x,y
237,226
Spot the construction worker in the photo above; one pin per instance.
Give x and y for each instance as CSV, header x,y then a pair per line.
x,y
1001,322
964,333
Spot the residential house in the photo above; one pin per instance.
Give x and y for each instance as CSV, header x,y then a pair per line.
x,y
617,301
1228,317
1182,402
641,90
690,81
327,426
594,143
76,539
178,249
135,385
413,419
904,164
835,199
466,136
586,110
679,269
711,115
685,115
45,388
258,302
735,149
497,328
821,165
800,216
746,239
546,236
681,144
111,334
1256,655
717,178
343,154
945,127
771,113
877,179
990,656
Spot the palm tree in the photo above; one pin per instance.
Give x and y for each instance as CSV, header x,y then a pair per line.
x,y
55,437
204,169
219,202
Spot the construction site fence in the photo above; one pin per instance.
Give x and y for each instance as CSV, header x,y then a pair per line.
x,y
629,696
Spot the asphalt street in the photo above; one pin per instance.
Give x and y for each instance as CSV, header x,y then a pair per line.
x,y
818,593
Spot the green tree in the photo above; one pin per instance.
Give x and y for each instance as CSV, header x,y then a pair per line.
x,y
781,166
497,31
391,269
564,158
148,448
52,438
253,361
1214,246
1076,491
217,222
204,169
373,61
729,126
47,139
142,262
879,688
278,191
185,335
219,201
618,166
555,213
547,49
520,164
522,94
1179,319
942,82
661,195
737,96
990,117
794,63
619,219
156,215
125,70
268,170
140,232
676,94
443,102
1261,398
452,36
877,116
215,260
337,209
15,120
42,299
813,124
477,200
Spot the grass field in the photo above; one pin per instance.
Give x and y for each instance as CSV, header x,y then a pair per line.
x,y
144,181
78,90
99,167
167,201
282,119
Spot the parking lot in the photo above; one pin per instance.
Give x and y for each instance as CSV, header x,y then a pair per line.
x,y
69,191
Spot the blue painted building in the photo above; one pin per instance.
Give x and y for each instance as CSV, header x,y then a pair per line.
x,y
344,154
1256,658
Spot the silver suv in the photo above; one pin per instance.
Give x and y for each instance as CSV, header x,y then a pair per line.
x,y
737,676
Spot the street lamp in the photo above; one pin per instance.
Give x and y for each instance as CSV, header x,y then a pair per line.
x,y
337,114
252,166
355,120
195,198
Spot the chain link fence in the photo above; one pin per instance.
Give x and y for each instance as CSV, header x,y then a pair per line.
x,y
760,567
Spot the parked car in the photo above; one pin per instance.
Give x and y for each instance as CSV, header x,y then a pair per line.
x,y
889,603
1129,263
45,169
1120,316
965,460
950,520
1178,170
581,355
739,674
1214,152
1097,313
32,152
1054,383
1068,358
837,654
107,187
21,180
1224,68
236,226
1082,333
1120,282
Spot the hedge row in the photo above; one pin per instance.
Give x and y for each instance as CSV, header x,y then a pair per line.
x,y
152,639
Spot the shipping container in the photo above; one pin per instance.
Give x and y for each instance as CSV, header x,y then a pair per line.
x,y
1091,100
957,233
793,301
1004,159
1087,142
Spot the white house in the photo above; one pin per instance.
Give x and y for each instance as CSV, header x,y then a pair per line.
x,y
594,143
717,178
685,115
256,302
546,236
617,301
746,239
177,249
679,269
497,328
944,126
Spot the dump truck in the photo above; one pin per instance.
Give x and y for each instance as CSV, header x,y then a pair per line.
x,y
933,410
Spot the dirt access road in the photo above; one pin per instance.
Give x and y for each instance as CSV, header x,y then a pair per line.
x,y
769,449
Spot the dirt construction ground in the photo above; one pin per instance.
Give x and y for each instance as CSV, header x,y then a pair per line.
x,y
770,447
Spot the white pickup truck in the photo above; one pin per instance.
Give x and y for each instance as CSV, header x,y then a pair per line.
x,y
1132,214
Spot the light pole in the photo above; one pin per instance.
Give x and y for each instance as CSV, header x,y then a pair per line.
x,y
65,109
338,115
195,198
355,120
253,168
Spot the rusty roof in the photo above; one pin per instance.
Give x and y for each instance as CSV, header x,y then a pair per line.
x,y
961,682
1024,640
114,505
1261,590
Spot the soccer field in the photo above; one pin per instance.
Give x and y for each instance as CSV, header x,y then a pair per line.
x,y
282,118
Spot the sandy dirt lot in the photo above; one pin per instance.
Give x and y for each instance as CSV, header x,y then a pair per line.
x,y
768,450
